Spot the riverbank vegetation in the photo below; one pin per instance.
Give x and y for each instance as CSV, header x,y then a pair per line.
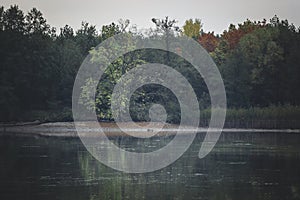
x,y
271,117
258,60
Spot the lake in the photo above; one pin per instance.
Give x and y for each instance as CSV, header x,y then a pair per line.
x,y
248,166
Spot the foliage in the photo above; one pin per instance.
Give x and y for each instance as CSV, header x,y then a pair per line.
x,y
282,117
192,28
259,62
209,41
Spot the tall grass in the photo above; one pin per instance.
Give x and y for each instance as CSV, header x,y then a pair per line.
x,y
278,117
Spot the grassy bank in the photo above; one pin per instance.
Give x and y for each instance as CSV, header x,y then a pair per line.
x,y
62,115
273,117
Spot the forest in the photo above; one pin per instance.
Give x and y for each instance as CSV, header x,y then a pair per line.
x,y
258,60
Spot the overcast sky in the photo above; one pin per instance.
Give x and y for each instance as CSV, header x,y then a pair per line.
x,y
216,15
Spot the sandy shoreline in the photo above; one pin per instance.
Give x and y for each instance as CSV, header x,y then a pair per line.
x,y
67,129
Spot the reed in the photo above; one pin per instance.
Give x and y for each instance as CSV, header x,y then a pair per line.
x,y
272,117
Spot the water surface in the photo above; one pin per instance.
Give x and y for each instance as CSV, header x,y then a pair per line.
x,y
244,166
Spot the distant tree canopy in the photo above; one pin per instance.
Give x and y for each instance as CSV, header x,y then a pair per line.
x,y
259,62
37,66
192,28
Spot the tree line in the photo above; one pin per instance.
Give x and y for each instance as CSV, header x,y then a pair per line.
x,y
259,62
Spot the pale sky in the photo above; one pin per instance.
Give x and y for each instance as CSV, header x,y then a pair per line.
x,y
216,15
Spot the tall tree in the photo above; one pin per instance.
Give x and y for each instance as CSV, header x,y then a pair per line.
x,y
66,33
14,19
233,35
167,27
109,31
87,37
192,28
209,41
36,23
2,18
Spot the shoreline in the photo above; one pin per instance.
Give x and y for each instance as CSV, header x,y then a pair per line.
x,y
91,129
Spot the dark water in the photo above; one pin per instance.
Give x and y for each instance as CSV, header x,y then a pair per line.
x,y
242,166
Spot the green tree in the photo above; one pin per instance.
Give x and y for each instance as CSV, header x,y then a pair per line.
x,y
35,23
66,33
87,37
109,31
252,70
192,28
1,18
264,55
112,74
14,19
167,27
